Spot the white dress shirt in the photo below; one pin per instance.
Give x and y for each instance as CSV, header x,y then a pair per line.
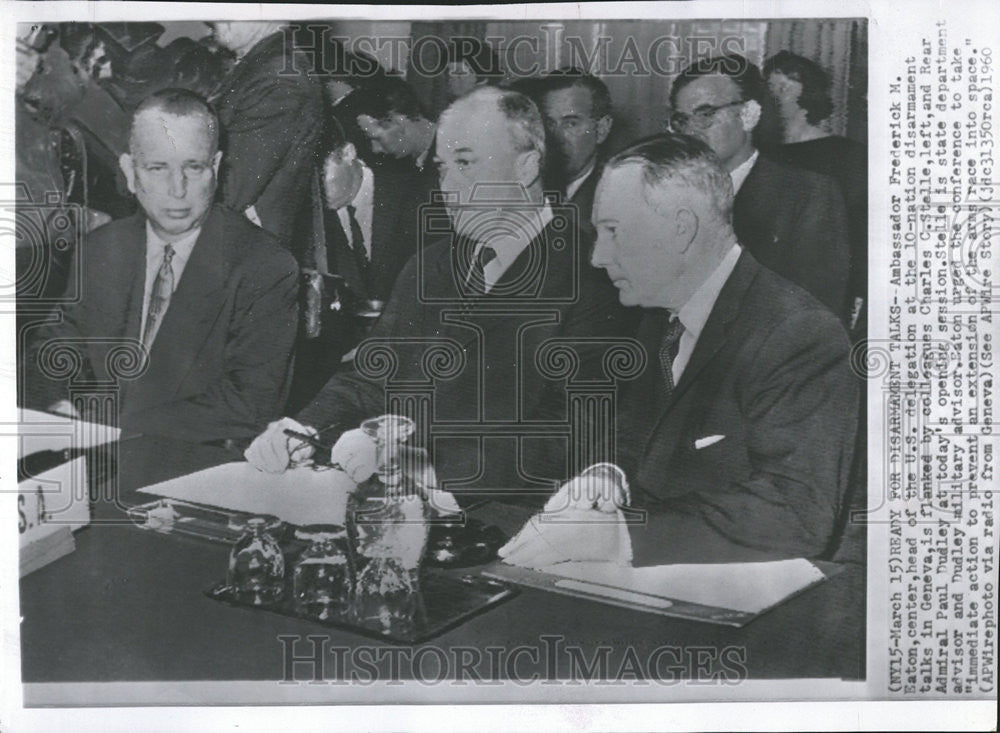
x,y
364,208
575,184
694,315
739,173
155,248
508,248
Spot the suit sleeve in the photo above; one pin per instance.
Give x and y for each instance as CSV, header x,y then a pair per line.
x,y
822,238
595,322
63,323
799,410
253,386
257,139
349,397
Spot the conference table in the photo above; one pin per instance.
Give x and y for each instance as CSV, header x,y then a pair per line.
x,y
128,605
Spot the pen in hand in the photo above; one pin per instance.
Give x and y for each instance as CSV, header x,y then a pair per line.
x,y
316,443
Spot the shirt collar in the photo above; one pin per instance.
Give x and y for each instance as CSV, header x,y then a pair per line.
x,y
694,315
366,190
421,160
182,247
508,248
739,173
575,184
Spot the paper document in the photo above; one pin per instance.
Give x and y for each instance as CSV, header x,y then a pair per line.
x,y
299,496
40,431
749,587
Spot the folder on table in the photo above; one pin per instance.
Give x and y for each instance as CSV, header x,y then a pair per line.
x,y
732,594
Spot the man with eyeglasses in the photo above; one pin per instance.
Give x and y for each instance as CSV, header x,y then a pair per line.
x,y
793,221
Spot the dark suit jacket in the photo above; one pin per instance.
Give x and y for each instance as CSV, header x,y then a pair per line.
x,y
769,372
794,222
271,124
220,363
551,291
395,233
583,199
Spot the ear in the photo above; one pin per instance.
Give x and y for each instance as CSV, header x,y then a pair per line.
x,y
528,167
127,165
216,159
687,223
750,115
603,128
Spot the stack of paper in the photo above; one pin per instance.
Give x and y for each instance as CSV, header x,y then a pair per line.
x,y
300,496
41,552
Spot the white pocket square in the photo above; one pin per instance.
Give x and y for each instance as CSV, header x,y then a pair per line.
x,y
707,441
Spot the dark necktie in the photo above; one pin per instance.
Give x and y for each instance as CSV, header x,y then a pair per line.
x,y
669,346
477,273
358,247
159,298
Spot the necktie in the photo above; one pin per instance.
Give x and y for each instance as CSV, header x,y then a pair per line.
x,y
159,298
358,246
477,273
669,346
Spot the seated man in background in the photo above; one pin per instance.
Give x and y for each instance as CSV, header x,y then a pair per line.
x,y
792,220
471,63
210,296
504,280
577,111
395,122
370,230
737,437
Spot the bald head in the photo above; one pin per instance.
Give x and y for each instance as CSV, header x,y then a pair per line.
x,y
178,103
173,161
520,114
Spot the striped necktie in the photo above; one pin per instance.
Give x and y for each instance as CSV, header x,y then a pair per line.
x,y
159,298
669,346
358,248
477,273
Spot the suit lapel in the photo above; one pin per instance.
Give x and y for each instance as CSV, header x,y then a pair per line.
x,y
716,331
452,268
343,262
713,338
193,310
385,248
123,278
130,282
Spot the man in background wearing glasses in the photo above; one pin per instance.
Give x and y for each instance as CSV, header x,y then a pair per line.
x,y
793,221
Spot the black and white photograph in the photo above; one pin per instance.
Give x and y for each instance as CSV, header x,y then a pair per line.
x,y
574,359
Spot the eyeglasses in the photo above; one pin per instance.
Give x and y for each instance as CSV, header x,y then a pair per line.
x,y
700,118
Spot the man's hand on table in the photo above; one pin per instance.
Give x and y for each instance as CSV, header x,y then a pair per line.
x,y
354,452
584,535
595,488
581,522
274,452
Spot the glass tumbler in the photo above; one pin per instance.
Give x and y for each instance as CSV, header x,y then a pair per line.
x,y
323,579
256,566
